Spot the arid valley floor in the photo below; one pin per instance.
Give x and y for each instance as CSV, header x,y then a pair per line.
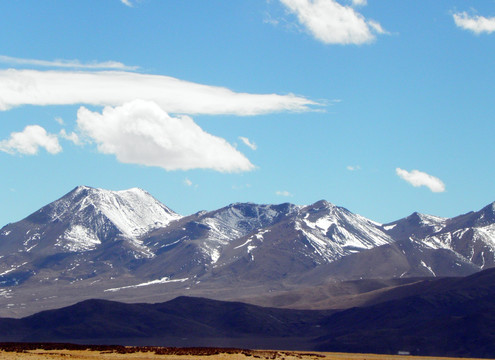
x,y
20,352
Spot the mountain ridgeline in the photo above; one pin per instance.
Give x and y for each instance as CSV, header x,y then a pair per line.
x,y
438,317
126,245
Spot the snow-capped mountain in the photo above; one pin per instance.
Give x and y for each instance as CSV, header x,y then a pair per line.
x,y
86,218
263,241
235,221
86,233
348,233
471,237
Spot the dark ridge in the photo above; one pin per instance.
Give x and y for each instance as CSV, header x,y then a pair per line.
x,y
440,317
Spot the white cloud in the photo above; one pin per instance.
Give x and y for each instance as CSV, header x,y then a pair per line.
x,y
72,64
333,23
284,193
353,167
189,183
30,140
73,137
248,143
140,132
126,2
359,2
475,23
113,88
418,178
377,27
59,120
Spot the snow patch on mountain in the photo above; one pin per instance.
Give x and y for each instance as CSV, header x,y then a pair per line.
x,y
246,243
13,268
78,238
322,224
164,280
440,241
435,222
212,253
428,267
389,227
6,293
486,234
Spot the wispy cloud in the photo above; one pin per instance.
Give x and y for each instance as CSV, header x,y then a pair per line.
x,y
283,193
248,143
188,182
332,23
72,64
30,140
359,2
140,132
72,137
113,88
418,178
474,23
126,2
353,167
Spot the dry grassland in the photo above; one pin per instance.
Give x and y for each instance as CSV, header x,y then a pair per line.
x,y
192,354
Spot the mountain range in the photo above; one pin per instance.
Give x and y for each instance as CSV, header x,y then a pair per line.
x,y
127,246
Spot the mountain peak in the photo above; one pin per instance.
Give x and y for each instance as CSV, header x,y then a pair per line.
x,y
486,215
86,217
133,211
83,188
323,204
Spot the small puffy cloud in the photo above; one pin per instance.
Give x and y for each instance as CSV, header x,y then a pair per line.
x,y
418,178
476,24
73,64
59,120
73,137
332,23
359,2
114,88
30,140
248,143
140,132
126,2
189,183
283,193
353,167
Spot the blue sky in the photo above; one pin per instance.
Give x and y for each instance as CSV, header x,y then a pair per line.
x,y
383,107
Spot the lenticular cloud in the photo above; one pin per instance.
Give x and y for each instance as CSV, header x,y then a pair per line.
x,y
114,88
140,132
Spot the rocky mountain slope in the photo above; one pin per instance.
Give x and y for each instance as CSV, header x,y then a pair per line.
x,y
471,236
